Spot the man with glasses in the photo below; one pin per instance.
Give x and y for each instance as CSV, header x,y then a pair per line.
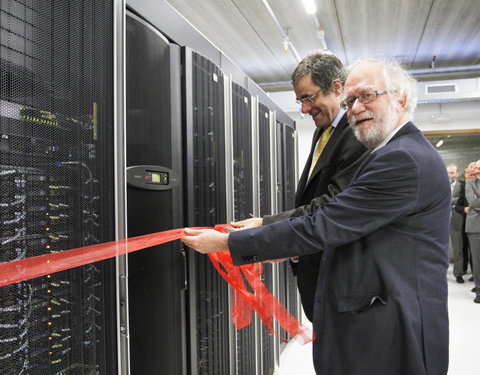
x,y
381,299
335,155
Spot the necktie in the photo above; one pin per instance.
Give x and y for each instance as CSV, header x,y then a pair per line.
x,y
322,142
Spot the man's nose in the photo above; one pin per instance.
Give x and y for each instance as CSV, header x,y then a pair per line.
x,y
306,106
357,106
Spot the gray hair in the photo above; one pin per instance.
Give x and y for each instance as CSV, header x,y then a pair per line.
x,y
398,83
453,165
324,68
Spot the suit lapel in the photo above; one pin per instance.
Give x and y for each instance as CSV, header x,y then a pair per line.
x,y
327,151
303,178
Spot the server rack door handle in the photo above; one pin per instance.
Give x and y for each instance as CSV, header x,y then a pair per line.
x,y
184,269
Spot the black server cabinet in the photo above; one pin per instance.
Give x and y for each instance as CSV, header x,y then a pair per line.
x,y
242,152
286,182
56,183
205,144
288,166
279,144
246,348
265,201
264,160
156,275
289,183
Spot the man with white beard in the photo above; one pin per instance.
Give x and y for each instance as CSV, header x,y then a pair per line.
x,y
381,296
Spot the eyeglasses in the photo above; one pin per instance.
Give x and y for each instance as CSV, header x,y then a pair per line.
x,y
308,99
365,97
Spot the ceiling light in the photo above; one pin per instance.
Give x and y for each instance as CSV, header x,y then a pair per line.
x,y
440,118
321,35
310,6
439,143
285,43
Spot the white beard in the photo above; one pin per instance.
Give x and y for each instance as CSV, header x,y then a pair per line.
x,y
381,125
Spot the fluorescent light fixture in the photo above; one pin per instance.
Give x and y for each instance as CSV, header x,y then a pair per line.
x,y
439,143
310,6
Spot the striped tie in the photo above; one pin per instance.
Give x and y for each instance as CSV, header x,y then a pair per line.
x,y
322,142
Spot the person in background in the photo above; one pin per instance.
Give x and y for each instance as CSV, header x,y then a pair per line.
x,y
461,207
456,224
335,155
381,299
472,226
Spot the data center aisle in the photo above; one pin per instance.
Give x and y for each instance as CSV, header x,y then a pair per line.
x,y
464,336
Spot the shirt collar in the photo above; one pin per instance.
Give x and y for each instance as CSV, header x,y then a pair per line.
x,y
337,118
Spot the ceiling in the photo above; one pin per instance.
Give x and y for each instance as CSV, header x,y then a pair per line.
x,y
254,34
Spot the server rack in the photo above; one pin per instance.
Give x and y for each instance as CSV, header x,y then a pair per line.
x,y
286,286
264,160
157,277
265,208
288,163
242,152
246,338
56,183
214,346
289,183
206,197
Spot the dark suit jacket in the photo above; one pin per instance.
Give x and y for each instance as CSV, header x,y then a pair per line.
x,y
457,220
472,193
381,299
333,172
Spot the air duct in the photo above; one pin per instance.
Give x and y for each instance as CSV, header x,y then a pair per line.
x,y
448,91
444,70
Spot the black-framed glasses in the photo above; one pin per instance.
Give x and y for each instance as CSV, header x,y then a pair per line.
x,y
365,97
308,99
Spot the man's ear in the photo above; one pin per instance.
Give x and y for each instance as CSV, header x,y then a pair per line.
x,y
337,87
403,101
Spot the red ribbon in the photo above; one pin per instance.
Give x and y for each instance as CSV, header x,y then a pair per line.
x,y
244,302
262,301
41,265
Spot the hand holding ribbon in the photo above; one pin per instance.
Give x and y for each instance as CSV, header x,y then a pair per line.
x,y
215,244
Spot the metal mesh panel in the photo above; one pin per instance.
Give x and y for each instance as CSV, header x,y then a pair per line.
x,y
289,167
268,362
243,204
209,147
268,350
289,197
55,177
212,303
242,153
279,162
292,300
264,160
282,294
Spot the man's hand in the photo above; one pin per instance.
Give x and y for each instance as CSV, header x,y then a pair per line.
x,y
275,260
248,223
205,240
